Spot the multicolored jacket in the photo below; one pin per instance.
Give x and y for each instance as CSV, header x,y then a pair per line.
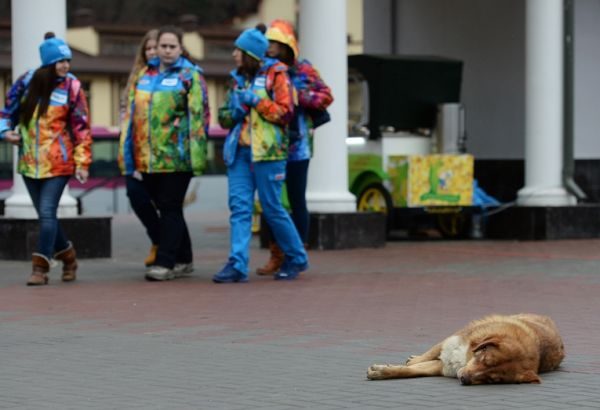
x,y
263,126
314,96
166,121
59,141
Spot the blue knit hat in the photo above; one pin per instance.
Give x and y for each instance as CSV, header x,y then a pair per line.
x,y
253,42
53,50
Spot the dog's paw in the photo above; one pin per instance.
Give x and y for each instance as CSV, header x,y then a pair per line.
x,y
377,371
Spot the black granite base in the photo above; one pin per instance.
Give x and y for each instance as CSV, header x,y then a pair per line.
x,y
534,223
90,235
347,230
503,178
341,231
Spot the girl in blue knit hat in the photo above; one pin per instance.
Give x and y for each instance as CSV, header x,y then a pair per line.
x,y
46,115
257,109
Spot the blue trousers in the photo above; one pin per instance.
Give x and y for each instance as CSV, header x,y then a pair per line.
x,y
167,191
296,178
142,206
267,177
45,194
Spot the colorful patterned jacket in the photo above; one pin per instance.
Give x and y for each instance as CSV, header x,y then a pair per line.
x,y
60,140
166,121
314,96
264,126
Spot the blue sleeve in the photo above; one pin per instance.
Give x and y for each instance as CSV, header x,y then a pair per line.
x,y
9,115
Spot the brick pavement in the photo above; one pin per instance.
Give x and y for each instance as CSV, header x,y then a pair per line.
x,y
113,341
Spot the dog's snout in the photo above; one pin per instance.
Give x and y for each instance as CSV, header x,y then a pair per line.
x,y
464,381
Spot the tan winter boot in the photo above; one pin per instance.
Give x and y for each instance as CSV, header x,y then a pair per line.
x,y
41,267
274,263
67,256
151,256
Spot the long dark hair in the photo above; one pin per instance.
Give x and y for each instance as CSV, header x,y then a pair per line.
x,y
249,67
40,88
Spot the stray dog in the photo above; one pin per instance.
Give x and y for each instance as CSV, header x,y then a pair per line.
x,y
495,349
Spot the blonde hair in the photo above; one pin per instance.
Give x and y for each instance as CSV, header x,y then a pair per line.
x,y
140,60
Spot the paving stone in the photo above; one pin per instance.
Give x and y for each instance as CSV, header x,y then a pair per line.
x,y
111,340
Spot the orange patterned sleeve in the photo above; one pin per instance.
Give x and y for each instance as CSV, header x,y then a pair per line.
x,y
279,109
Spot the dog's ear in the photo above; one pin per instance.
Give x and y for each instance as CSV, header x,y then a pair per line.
x,y
528,377
484,344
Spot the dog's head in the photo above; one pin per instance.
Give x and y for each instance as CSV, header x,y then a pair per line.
x,y
499,359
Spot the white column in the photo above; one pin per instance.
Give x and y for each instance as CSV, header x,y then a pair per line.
x,y
322,31
544,106
31,19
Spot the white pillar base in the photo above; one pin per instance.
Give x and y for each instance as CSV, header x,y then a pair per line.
x,y
19,205
330,202
545,196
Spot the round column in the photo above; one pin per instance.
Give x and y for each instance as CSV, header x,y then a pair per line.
x,y
544,106
31,19
322,31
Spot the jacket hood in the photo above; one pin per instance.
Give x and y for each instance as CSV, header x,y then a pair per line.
x,y
282,31
181,62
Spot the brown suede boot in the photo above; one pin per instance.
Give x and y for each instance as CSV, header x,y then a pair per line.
x,y
274,263
151,256
41,267
68,258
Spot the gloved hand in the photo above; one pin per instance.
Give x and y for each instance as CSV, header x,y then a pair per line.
x,y
238,111
249,98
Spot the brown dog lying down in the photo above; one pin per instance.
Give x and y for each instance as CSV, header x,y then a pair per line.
x,y
495,349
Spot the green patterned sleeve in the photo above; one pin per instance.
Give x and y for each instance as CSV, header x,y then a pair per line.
x,y
225,113
197,117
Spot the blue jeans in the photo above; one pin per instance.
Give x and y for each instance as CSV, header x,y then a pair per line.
x,y
267,177
45,194
167,191
143,207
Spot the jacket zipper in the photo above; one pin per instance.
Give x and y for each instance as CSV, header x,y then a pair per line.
x,y
37,148
150,158
63,149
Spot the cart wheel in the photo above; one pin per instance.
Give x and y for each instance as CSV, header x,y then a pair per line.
x,y
375,198
453,225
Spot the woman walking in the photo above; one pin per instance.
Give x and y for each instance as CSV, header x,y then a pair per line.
x,y
46,115
140,200
314,96
163,137
258,106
